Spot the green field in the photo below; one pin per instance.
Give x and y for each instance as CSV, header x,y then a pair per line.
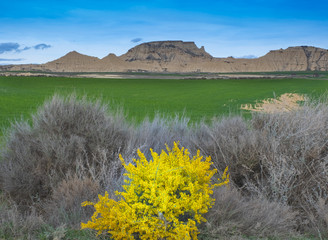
x,y
20,96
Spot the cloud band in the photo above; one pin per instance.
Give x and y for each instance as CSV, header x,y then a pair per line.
x,y
16,47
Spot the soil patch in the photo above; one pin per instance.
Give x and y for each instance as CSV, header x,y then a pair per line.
x,y
285,103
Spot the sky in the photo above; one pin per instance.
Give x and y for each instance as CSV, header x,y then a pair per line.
x,y
41,31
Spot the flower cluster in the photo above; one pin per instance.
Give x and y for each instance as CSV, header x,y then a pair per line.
x,y
162,198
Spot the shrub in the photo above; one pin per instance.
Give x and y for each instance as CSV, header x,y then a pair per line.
x,y
297,172
162,198
67,135
231,142
158,132
281,157
234,214
14,225
65,203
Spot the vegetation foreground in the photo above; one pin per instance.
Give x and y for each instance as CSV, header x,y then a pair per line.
x,y
70,152
198,98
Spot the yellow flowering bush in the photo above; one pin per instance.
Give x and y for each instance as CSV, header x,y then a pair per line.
x,y
163,198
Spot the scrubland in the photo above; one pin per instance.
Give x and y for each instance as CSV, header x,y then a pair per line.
x,y
69,153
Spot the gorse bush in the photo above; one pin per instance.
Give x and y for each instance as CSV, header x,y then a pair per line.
x,y
163,198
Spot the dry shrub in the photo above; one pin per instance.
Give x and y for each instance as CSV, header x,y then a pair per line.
x,y
65,203
234,214
231,142
159,132
282,157
316,220
298,165
65,133
14,224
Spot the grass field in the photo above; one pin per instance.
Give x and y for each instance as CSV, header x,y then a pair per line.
x,y
20,96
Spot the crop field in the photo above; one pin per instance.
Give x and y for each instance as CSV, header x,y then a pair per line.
x,y
195,98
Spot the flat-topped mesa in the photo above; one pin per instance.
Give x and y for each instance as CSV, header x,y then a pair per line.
x,y
166,51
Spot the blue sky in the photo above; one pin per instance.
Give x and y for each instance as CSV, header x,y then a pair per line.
x,y
41,31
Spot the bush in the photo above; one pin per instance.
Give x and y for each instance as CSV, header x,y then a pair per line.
x,y
297,166
234,214
162,198
15,225
281,157
64,206
159,132
231,142
67,136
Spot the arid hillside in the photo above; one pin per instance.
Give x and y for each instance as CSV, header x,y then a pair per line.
x,y
179,56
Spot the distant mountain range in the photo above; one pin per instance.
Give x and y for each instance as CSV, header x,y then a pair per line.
x,y
179,56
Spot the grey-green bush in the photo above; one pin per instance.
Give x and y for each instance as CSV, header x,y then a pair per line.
x,y
66,136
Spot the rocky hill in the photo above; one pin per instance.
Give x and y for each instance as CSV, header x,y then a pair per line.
x,y
179,56
73,62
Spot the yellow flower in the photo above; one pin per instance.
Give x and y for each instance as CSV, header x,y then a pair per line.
x,y
162,198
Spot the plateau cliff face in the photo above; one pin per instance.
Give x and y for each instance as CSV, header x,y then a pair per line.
x,y
301,58
179,56
165,51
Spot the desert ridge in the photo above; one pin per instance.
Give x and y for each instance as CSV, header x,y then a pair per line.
x,y
179,56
